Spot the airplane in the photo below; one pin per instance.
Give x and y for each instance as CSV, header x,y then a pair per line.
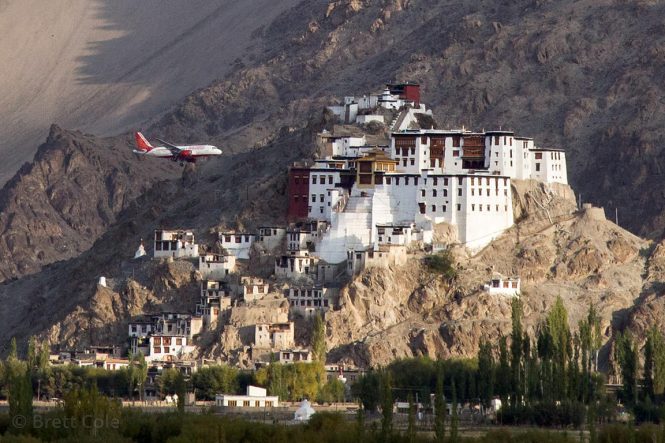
x,y
176,153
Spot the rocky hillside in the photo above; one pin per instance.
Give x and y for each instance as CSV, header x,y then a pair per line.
x,y
244,190
408,311
57,206
574,74
545,69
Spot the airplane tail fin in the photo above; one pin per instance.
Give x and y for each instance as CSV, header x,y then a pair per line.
x,y
142,143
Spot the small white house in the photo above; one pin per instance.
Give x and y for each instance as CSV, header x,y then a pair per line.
x,y
176,244
295,264
274,335
167,347
287,356
216,266
252,288
237,243
271,237
256,398
499,285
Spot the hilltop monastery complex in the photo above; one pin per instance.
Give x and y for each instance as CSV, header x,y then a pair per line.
x,y
422,178
362,204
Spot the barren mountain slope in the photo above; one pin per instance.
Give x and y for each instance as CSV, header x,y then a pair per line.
x,y
407,311
55,207
220,192
106,66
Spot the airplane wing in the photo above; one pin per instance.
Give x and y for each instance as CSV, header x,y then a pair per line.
x,y
173,148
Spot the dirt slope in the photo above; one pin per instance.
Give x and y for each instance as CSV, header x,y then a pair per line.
x,y
105,66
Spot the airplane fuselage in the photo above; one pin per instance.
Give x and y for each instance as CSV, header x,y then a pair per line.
x,y
189,153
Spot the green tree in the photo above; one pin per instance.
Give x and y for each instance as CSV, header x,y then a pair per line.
x,y
442,264
626,355
212,380
368,389
181,391
454,420
43,367
559,333
439,407
411,422
503,372
657,349
319,339
332,391
485,372
647,380
20,400
13,351
386,405
31,359
516,340
167,382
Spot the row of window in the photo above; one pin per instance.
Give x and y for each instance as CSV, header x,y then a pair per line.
x,y
306,293
247,403
322,179
310,303
236,238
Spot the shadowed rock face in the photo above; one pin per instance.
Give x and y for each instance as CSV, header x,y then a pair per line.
x,y
58,205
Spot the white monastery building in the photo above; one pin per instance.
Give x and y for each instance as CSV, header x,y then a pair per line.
x,y
175,244
395,196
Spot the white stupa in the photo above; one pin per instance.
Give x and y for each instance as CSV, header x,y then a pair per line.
x,y
140,252
304,412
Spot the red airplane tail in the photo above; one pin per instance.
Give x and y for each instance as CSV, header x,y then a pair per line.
x,y
142,143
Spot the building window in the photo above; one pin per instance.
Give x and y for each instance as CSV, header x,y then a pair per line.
x,y
473,207
455,153
422,192
434,181
488,208
480,208
459,192
433,208
313,198
388,180
444,208
245,403
445,193
433,192
314,179
404,162
412,162
321,198
473,191
539,155
459,207
330,179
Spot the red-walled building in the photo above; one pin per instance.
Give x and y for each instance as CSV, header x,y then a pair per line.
x,y
406,91
298,193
